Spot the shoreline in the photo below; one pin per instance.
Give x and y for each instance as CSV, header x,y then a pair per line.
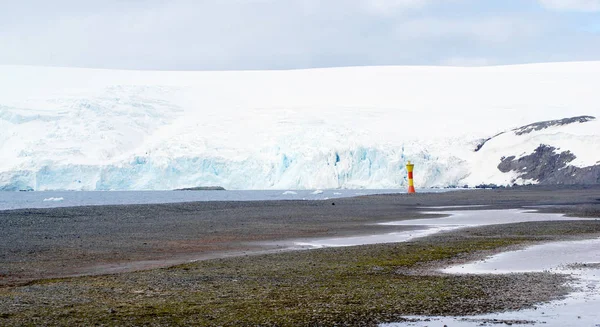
x,y
386,280
75,241
225,291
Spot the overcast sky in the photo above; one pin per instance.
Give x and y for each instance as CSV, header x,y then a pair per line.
x,y
285,34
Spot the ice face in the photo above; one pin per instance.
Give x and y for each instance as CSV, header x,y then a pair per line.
x,y
365,168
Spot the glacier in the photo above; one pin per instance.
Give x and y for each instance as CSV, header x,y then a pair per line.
x,y
354,127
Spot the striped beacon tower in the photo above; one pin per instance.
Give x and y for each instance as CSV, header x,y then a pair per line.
x,y
411,183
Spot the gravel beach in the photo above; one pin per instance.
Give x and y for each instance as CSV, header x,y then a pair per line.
x,y
38,244
48,243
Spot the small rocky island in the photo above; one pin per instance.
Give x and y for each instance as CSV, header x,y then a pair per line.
x,y
202,188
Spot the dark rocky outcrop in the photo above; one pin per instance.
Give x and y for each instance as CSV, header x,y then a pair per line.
x,y
202,188
484,141
549,123
539,126
546,166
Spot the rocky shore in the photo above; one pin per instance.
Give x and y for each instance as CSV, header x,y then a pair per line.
x,y
240,286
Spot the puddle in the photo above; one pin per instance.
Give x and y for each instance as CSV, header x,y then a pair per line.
x,y
544,257
580,308
581,259
473,218
458,207
373,239
429,226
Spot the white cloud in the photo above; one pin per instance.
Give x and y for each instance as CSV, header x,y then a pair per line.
x,y
494,30
571,5
391,7
276,34
387,6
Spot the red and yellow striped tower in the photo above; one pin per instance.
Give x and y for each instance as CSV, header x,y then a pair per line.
x,y
411,183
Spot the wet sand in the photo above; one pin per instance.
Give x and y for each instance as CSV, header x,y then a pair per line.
x,y
59,242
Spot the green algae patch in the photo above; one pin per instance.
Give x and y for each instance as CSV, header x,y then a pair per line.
x,y
408,255
354,286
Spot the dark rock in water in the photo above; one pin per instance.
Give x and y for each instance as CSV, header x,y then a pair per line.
x,y
202,188
489,186
547,167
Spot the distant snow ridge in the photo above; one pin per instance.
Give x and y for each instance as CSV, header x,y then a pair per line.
x,y
546,124
81,129
539,126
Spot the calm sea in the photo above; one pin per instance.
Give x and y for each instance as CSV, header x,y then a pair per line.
x,y
50,199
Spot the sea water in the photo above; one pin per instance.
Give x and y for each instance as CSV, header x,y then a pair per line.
x,y
53,199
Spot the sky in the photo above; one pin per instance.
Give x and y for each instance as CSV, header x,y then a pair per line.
x,y
295,34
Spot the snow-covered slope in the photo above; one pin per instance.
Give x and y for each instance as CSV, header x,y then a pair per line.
x,y
84,129
565,151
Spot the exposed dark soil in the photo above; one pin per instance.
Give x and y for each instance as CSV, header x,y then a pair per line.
x,y
48,243
354,286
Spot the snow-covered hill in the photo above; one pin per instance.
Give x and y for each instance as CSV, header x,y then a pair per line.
x,y
85,129
563,151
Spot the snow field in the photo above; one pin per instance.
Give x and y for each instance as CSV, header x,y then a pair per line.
x,y
86,129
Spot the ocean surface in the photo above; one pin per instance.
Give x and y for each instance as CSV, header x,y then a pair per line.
x,y
52,199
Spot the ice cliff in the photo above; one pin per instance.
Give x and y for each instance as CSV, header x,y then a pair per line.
x,y
85,129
